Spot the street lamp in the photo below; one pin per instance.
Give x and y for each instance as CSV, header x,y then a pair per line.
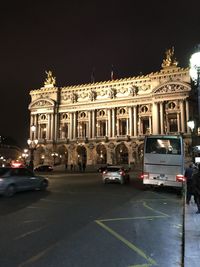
x,y
195,73
32,143
25,155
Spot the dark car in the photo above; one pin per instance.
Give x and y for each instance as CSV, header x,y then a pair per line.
x,y
13,180
43,168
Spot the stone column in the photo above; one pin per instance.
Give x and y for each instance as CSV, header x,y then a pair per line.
x,y
150,124
178,122
93,124
187,114
135,132
155,118
74,125
130,132
109,123
71,126
113,123
52,123
161,118
118,127
89,124
127,127
182,116
48,127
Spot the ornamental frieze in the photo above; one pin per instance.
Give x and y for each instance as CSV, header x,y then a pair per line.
x,y
169,88
41,103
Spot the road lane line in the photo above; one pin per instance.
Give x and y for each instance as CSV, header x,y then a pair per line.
x,y
127,243
29,233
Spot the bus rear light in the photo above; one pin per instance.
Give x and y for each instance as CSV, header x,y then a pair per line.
x,y
144,175
180,178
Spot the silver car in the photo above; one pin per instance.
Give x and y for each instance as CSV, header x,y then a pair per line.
x,y
115,174
13,180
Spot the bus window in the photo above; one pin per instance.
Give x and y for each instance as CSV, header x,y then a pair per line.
x,y
163,146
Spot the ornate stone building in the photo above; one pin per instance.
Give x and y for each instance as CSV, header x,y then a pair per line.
x,y
105,122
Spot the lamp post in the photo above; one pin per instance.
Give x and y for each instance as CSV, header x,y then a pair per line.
x,y
191,125
195,74
32,143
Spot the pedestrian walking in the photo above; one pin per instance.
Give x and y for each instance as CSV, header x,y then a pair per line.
x,y
196,187
71,166
188,176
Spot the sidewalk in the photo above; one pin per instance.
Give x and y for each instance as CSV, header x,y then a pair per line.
x,y
192,236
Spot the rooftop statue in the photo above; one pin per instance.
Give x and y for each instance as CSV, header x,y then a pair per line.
x,y
50,80
170,60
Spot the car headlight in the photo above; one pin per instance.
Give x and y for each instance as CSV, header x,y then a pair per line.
x,y
1,180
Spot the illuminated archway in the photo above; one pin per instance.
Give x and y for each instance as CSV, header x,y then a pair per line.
x,y
121,154
101,154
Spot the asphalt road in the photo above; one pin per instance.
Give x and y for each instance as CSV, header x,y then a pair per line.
x,y
80,221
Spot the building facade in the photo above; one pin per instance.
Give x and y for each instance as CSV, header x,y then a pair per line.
x,y
105,122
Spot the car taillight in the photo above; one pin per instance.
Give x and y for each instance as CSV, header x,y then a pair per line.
x,y
180,178
122,173
104,172
144,175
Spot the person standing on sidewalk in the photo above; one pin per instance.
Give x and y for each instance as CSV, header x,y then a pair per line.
x,y
188,176
196,187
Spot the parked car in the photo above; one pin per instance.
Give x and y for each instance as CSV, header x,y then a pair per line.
x,y
13,180
43,168
115,174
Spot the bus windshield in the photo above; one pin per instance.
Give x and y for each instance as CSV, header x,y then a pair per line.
x,y
163,146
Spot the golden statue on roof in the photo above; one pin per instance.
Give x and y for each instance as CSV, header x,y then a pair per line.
x,y
50,80
169,60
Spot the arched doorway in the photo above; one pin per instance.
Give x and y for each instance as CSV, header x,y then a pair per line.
x,y
101,154
40,155
81,157
121,154
63,154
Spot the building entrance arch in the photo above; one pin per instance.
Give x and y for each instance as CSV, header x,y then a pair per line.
x,y
101,154
81,157
121,154
63,153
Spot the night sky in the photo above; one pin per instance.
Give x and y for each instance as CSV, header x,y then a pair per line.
x,y
72,38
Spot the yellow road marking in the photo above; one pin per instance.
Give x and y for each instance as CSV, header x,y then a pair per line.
x,y
148,207
134,218
126,242
141,265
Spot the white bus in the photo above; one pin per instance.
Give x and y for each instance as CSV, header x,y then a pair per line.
x,y
163,162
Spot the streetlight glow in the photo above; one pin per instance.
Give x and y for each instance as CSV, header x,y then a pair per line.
x,y
195,66
191,125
